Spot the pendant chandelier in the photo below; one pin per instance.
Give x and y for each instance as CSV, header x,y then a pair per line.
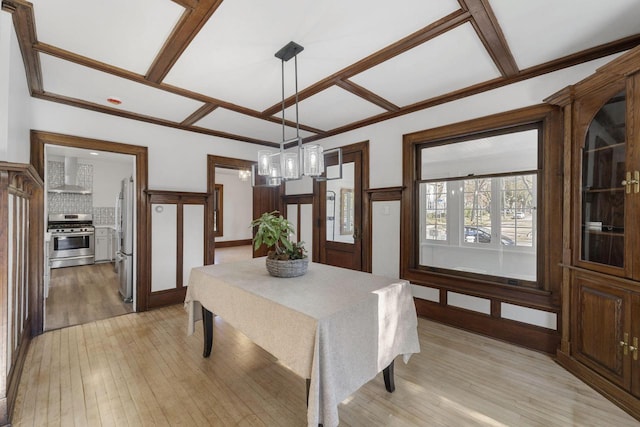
x,y
289,165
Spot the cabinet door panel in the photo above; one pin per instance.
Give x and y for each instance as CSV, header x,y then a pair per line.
x,y
599,322
604,163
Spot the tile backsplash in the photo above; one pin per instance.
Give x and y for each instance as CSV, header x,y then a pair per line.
x,y
104,216
69,202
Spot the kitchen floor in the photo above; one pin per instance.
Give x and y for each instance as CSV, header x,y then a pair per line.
x,y
82,294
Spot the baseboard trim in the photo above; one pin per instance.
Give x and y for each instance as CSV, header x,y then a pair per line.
x,y
232,243
624,400
524,335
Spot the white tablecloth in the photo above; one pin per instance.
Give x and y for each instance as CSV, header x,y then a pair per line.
x,y
337,327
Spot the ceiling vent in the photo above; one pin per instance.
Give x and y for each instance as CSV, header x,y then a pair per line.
x,y
70,179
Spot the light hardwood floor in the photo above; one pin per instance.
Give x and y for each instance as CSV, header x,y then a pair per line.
x,y
83,294
142,369
233,253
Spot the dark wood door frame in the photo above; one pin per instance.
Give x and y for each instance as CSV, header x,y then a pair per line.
x,y
319,205
143,262
212,163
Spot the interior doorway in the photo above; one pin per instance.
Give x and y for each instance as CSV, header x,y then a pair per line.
x,y
262,200
86,263
342,213
138,155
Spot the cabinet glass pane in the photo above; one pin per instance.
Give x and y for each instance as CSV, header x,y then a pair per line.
x,y
603,169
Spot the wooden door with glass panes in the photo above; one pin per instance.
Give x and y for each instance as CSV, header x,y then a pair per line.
x,y
606,245
609,190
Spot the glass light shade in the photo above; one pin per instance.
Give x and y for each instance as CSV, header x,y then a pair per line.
x,y
264,162
313,160
275,171
290,165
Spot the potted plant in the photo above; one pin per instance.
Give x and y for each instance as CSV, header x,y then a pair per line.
x,y
287,258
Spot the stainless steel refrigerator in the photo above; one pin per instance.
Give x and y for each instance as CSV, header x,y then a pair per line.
x,y
124,229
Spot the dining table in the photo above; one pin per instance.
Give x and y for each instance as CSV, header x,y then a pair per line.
x,y
337,328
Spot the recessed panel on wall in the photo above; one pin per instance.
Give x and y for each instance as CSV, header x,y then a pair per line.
x,y
292,216
426,293
163,246
306,227
193,240
386,239
532,316
468,302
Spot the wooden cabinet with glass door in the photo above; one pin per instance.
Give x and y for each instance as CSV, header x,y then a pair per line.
x,y
601,285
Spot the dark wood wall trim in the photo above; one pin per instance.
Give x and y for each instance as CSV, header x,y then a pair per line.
x,y
387,194
179,198
21,219
301,199
530,336
38,141
298,200
233,243
547,297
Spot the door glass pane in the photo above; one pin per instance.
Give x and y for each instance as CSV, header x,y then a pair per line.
x,y
603,170
340,204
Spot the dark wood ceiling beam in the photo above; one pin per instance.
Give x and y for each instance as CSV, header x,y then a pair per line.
x,y
486,25
199,114
24,24
74,102
367,95
119,72
427,33
184,32
548,67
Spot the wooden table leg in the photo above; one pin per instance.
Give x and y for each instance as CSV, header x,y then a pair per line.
x,y
207,325
387,373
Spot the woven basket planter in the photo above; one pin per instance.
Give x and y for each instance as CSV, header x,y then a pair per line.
x,y
288,268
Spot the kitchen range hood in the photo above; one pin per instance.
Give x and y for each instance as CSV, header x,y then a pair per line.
x,y
70,179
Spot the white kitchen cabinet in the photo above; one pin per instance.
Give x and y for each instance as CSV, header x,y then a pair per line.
x,y
114,244
103,244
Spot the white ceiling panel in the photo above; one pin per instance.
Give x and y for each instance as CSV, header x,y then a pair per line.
x,y
334,107
449,62
542,30
232,58
239,124
69,79
124,33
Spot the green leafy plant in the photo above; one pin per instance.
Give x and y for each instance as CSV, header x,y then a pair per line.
x,y
273,230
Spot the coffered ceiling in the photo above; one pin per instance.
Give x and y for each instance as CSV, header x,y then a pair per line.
x,y
208,66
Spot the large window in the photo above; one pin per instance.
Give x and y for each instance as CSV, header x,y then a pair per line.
x,y
477,209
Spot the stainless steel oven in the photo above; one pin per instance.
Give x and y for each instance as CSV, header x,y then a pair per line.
x,y
72,240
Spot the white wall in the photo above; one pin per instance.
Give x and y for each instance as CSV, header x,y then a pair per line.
x,y
15,101
177,159
107,177
237,206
